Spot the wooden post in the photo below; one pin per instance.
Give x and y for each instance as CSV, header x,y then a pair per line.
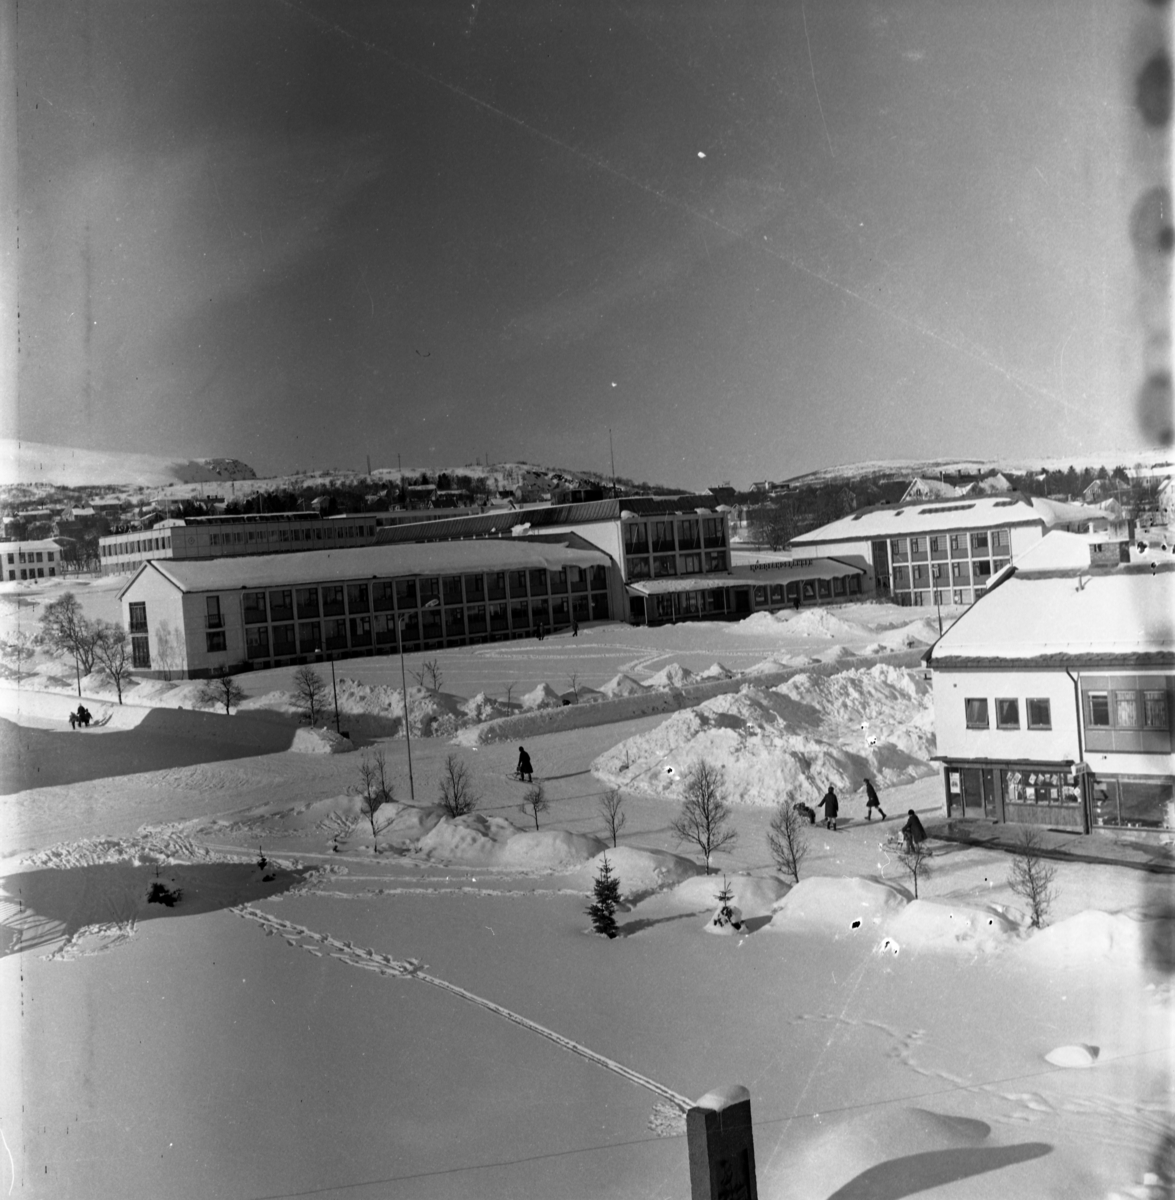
x,y
721,1146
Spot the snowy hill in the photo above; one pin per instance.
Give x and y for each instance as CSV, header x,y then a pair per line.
x,y
39,462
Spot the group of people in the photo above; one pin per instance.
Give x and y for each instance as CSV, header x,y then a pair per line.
x,y
912,832
81,717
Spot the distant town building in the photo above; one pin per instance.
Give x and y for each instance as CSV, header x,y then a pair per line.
x,y
38,558
1053,694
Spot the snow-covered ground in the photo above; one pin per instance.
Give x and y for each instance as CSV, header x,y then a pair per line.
x,y
422,1012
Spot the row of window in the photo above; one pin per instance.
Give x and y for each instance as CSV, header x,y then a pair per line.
x,y
1146,708
1007,713
923,599
329,600
313,533
673,534
29,556
937,574
135,546
983,543
669,565
806,590
30,572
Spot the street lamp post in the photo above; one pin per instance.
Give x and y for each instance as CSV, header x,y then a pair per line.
x,y
404,685
334,687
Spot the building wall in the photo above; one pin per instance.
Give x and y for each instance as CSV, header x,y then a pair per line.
x,y
166,624
38,558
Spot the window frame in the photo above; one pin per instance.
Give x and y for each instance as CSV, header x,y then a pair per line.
x,y
1032,719
982,712
1000,721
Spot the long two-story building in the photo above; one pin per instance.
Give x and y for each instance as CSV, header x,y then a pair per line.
x,y
1053,694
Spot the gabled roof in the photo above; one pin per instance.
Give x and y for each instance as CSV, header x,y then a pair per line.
x,y
366,562
1123,616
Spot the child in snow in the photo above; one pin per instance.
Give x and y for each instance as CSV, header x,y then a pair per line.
x,y
872,802
831,806
912,832
805,811
525,770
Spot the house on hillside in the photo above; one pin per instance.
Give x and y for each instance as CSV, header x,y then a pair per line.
x,y
1054,693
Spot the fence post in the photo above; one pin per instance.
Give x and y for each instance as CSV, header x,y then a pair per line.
x,y
721,1146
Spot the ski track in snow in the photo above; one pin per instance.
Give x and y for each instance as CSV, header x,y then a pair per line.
x,y
369,960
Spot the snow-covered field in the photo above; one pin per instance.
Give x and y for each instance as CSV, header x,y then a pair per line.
x,y
422,1012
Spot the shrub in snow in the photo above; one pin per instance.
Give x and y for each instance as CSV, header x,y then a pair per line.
x,y
728,918
607,897
787,838
456,788
160,893
611,804
220,690
915,857
374,788
308,695
534,802
1031,878
705,816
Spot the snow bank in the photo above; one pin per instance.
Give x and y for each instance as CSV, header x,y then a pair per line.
x,y
543,696
839,906
716,671
622,685
549,849
1092,938
943,924
473,838
918,633
819,622
754,895
674,675
483,707
641,872
320,741
791,741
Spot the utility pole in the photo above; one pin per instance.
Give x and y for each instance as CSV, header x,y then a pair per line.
x,y
612,456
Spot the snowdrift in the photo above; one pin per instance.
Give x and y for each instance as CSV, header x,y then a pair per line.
x,y
622,685
754,895
641,872
320,741
839,906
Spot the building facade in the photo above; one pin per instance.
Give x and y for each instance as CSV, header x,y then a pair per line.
x,y
197,618
946,551
30,559
1054,694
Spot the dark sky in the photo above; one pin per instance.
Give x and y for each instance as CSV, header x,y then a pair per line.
x,y
752,238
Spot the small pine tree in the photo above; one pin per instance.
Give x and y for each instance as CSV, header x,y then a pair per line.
x,y
607,893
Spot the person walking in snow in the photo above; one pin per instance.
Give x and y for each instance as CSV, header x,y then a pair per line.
x,y
525,770
831,806
912,832
73,719
872,802
574,627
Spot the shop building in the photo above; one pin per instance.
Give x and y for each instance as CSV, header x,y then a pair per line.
x,y
1053,695
945,551
197,618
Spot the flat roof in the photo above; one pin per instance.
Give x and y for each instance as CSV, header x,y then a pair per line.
x,y
1119,616
366,562
956,512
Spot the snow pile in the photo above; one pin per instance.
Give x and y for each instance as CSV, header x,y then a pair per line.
x,y
1077,1056
622,685
320,741
909,637
820,623
835,654
673,675
791,741
760,623
641,872
549,849
839,906
473,838
377,710
483,707
543,696
755,896
769,666
716,671
1118,940
954,925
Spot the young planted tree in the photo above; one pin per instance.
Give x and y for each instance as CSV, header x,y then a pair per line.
x,y
66,629
787,839
1031,877
112,652
606,890
915,857
611,803
220,690
534,802
510,693
18,653
573,679
705,816
309,693
726,912
456,787
430,675
167,646
374,789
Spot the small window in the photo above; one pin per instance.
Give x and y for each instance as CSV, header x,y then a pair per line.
x,y
1099,709
1039,714
137,616
1126,710
977,714
216,642
1154,710
1007,714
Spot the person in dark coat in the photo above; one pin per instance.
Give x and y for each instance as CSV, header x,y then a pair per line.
x,y
805,811
831,806
525,770
73,719
872,802
912,831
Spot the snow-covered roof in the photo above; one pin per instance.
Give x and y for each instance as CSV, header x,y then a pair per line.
x,y
935,516
1118,617
367,562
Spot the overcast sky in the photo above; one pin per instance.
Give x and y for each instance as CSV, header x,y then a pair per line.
x,y
751,238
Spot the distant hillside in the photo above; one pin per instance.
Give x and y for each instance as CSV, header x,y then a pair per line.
x,y
909,468
66,466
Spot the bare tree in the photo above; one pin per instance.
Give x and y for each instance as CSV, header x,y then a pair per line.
x,y
166,649
221,689
112,651
611,803
1031,878
309,694
705,816
456,787
17,652
430,675
67,629
534,802
787,839
573,679
374,789
915,857
510,693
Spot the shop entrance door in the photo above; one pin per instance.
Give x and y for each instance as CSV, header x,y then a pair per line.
x,y
978,792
